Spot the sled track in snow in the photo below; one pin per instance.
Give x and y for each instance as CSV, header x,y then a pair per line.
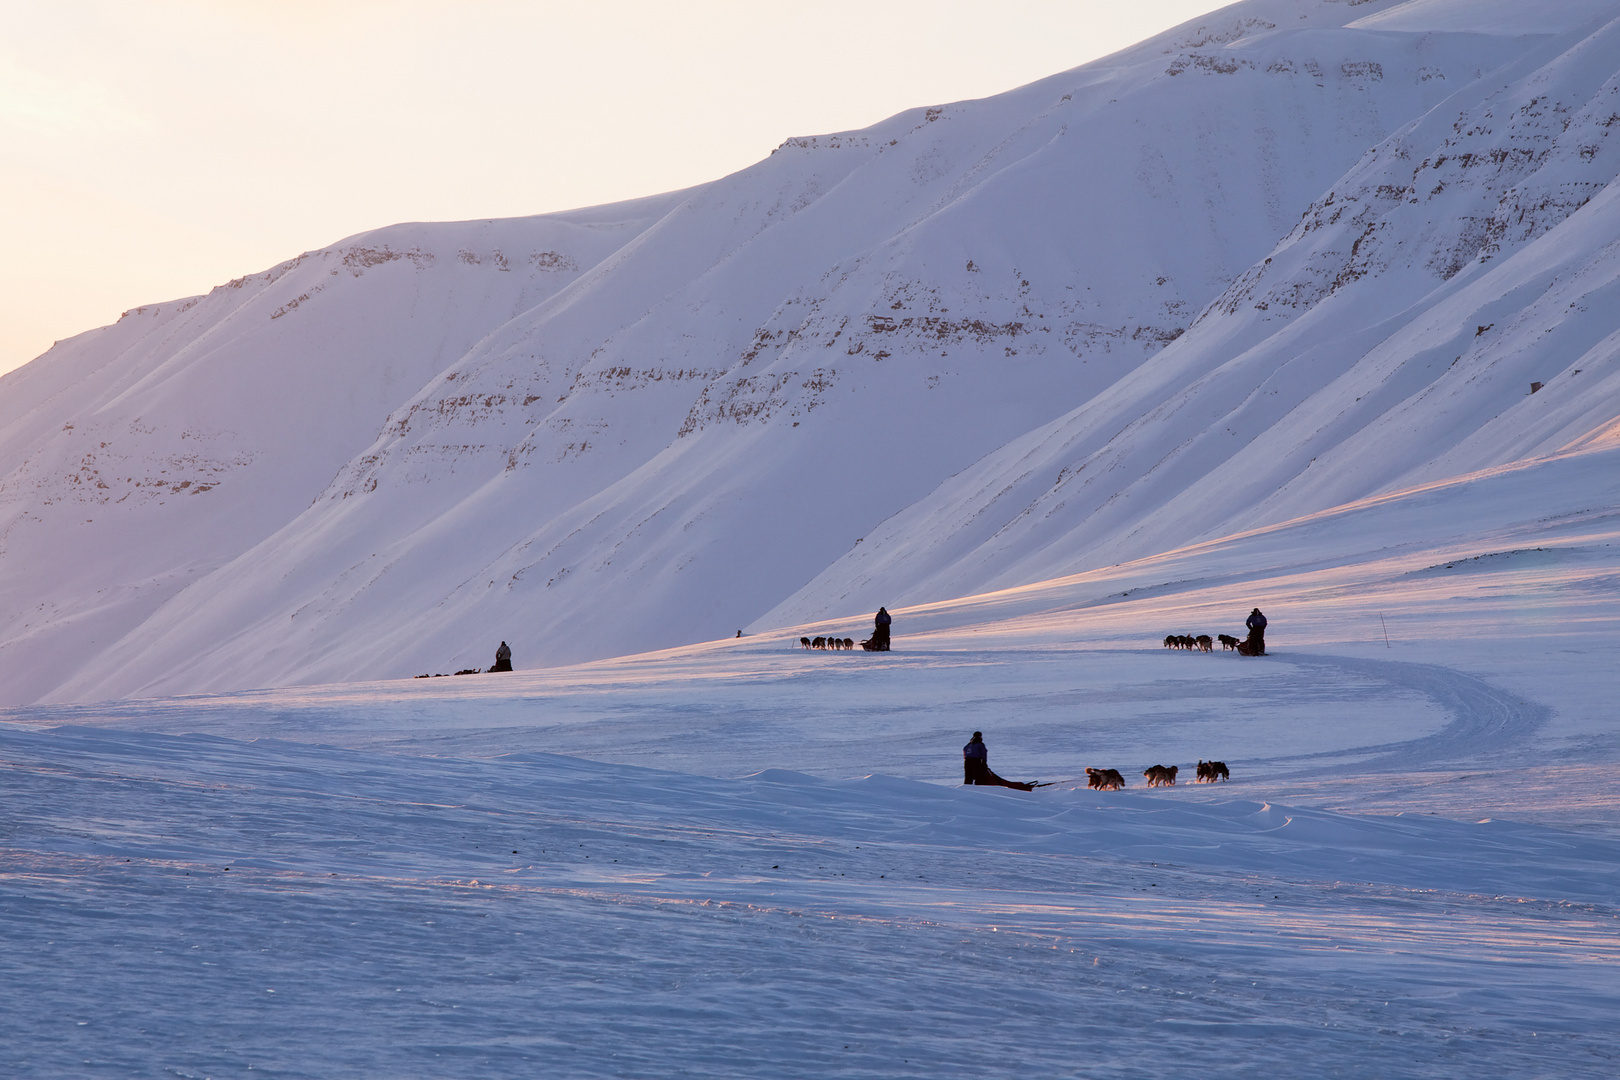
x,y
1484,720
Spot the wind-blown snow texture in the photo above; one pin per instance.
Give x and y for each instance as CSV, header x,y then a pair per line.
x,y
1278,259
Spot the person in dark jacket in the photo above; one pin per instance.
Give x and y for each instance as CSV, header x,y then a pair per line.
x,y
503,658
976,766
1257,631
880,632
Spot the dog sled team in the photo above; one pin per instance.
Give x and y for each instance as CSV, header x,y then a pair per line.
x,y
503,662
878,642
976,770
1253,645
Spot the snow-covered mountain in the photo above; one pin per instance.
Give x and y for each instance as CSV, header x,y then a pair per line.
x,y
1278,259
1391,339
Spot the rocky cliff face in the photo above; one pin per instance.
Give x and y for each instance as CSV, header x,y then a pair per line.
x,y
971,344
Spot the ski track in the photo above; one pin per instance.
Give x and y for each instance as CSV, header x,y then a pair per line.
x,y
1486,722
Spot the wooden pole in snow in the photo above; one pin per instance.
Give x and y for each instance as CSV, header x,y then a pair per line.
x,y
1385,625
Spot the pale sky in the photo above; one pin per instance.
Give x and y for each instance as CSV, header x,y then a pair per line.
x,y
151,149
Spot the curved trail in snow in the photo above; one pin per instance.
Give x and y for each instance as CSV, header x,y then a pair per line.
x,y
1484,719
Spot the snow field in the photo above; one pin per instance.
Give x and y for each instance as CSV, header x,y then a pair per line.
x,y
199,906
415,889
1412,872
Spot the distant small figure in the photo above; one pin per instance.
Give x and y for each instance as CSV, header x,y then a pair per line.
x,y
879,641
1256,643
739,633
976,766
503,658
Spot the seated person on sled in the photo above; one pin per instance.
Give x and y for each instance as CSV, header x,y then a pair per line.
x,y
976,766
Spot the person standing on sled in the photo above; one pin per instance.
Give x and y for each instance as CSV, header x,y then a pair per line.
x,y
503,658
976,766
880,632
1257,631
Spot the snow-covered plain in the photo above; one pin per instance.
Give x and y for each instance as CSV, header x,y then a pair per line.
x,y
745,859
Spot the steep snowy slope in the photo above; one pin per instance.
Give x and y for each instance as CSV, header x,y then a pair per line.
x,y
1392,338
141,456
667,447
